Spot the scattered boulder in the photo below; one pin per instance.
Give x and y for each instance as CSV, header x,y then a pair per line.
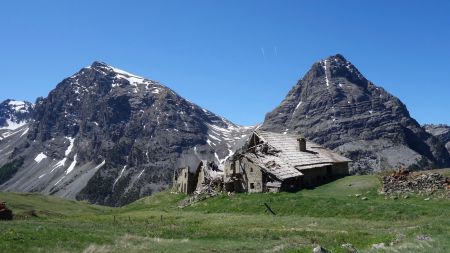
x,y
349,247
423,238
320,249
378,246
398,239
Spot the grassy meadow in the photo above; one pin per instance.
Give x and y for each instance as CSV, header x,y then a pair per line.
x,y
331,215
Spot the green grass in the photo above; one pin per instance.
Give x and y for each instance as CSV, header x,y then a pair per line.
x,y
330,215
47,206
337,199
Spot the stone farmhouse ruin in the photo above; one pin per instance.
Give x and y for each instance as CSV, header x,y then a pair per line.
x,y
273,162
187,181
268,162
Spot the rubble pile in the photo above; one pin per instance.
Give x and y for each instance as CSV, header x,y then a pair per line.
x,y
198,196
404,182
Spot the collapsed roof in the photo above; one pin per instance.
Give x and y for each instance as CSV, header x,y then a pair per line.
x,y
279,155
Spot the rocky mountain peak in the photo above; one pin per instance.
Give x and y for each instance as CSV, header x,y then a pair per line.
x,y
99,65
337,57
107,69
336,67
110,137
336,106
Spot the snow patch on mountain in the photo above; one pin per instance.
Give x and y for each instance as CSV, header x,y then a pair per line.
x,y
326,74
15,114
25,132
12,132
69,149
60,164
226,137
131,78
41,156
18,106
120,175
72,165
11,125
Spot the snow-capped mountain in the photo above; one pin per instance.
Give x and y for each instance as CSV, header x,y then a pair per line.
x,y
14,114
110,137
335,105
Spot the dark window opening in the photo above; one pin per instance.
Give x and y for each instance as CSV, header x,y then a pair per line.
x,y
252,186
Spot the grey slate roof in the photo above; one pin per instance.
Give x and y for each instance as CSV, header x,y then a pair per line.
x,y
274,165
289,161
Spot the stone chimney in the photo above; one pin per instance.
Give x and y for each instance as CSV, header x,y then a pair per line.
x,y
302,144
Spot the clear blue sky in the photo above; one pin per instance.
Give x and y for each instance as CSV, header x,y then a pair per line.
x,y
236,58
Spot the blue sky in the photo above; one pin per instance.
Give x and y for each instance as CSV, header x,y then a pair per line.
x,y
236,58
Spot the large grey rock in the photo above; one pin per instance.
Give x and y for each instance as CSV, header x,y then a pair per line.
x,y
320,249
336,106
110,137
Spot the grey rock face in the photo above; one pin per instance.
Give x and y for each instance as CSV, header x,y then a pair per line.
x,y
442,132
336,106
110,137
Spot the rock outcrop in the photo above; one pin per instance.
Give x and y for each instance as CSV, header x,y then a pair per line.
x,y
336,106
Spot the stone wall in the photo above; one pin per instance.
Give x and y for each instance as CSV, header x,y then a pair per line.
x,y
185,181
254,176
314,177
340,170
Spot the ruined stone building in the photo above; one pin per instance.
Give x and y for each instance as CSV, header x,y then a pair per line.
x,y
205,177
272,162
184,180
